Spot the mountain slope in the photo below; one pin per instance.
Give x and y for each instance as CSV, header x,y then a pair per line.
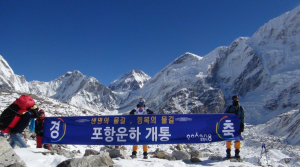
x,y
181,88
9,80
79,90
131,81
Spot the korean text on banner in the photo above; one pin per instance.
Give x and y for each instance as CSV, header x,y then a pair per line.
x,y
142,129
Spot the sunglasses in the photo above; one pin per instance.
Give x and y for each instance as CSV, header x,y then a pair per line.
x,y
142,102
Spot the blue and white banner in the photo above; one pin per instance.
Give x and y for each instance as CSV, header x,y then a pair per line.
x,y
141,129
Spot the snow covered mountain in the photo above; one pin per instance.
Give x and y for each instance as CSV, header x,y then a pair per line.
x,y
131,81
9,80
287,127
181,88
79,90
263,70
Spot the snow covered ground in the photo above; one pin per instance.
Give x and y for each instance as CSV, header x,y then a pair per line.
x,y
39,160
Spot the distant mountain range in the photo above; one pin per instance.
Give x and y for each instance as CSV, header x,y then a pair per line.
x,y
263,70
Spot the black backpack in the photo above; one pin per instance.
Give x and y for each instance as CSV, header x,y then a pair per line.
x,y
236,110
8,116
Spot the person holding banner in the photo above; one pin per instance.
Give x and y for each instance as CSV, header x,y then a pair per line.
x,y
237,109
140,110
39,126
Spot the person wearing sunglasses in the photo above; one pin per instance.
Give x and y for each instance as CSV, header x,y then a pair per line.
x,y
237,109
140,109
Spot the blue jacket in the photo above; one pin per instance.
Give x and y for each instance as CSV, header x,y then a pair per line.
x,y
239,110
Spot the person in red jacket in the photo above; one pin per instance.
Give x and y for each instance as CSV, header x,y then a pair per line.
x,y
26,110
12,115
39,126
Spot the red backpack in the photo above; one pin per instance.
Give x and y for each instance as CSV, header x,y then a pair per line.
x,y
11,115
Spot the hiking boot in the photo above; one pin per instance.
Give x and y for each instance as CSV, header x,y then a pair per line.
x,y
145,155
133,154
228,155
47,146
237,153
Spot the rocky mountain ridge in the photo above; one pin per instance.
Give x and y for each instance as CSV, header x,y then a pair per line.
x,y
131,81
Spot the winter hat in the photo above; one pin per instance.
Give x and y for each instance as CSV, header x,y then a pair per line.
x,y
41,112
25,102
142,99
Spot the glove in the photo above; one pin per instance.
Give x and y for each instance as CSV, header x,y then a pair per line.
x,y
132,112
35,112
236,112
149,111
242,128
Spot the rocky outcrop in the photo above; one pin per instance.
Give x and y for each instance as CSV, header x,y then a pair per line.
x,y
89,152
181,155
8,157
61,150
114,151
89,161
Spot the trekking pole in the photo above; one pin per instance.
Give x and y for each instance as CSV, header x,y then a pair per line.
x,y
261,153
262,148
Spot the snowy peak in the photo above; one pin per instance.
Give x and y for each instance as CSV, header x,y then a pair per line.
x,y
181,70
5,69
186,58
278,42
131,81
71,75
9,80
74,73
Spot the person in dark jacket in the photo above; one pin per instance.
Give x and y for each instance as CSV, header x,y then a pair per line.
x,y
140,109
39,126
13,112
16,132
237,109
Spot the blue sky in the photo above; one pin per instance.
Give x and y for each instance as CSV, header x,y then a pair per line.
x,y
43,40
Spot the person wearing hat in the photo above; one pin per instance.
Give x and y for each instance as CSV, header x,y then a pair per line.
x,y
140,109
237,109
39,126
16,131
